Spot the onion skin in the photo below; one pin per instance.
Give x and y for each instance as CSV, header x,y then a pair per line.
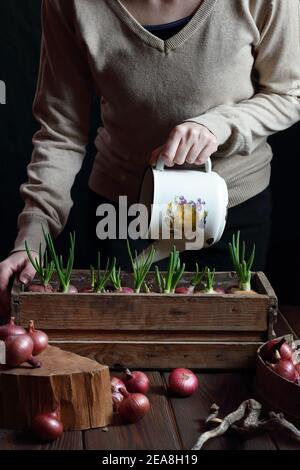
x,y
182,290
220,290
182,382
47,427
72,289
133,407
10,329
117,397
39,338
117,383
136,381
285,369
125,290
19,350
275,350
40,288
86,290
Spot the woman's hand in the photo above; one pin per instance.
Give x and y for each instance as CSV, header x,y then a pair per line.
x,y
187,143
16,263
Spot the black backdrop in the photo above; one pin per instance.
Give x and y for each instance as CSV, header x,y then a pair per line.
x,y
20,31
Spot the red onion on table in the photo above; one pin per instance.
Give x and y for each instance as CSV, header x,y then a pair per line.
x,y
136,381
183,382
133,407
19,350
47,427
39,338
10,329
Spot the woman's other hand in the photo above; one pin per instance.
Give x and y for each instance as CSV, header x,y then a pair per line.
x,y
16,263
187,143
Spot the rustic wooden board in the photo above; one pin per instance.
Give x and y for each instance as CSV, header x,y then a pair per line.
x,y
143,311
228,391
163,355
156,431
16,440
77,386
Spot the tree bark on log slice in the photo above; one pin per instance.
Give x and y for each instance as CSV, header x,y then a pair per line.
x,y
78,387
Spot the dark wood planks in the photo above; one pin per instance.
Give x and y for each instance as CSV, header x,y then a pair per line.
x,y
13,440
228,391
157,431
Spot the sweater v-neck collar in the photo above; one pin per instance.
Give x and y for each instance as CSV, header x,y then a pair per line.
x,y
200,16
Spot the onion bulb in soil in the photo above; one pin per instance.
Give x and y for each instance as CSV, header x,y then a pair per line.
x,y
10,329
39,338
19,350
285,369
133,407
136,381
182,382
40,288
183,290
220,290
237,291
72,289
86,290
47,427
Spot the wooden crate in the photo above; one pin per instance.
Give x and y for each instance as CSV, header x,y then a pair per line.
x,y
156,330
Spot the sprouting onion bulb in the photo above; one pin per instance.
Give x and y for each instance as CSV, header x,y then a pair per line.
x,y
140,266
44,269
168,282
99,280
10,329
209,282
63,273
241,266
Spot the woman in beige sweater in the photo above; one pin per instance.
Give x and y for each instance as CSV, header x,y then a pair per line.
x,y
188,79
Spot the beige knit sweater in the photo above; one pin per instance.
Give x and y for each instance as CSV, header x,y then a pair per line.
x,y
235,68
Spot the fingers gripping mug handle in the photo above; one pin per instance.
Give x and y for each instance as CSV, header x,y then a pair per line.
x,y
160,164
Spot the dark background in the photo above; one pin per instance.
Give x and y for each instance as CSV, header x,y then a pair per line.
x,y
20,31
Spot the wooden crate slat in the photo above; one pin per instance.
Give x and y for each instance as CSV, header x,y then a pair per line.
x,y
167,355
155,432
155,336
152,312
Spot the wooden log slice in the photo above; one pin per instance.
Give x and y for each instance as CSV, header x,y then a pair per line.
x,y
77,386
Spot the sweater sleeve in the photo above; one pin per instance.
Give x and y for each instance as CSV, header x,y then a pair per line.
x,y
276,104
62,108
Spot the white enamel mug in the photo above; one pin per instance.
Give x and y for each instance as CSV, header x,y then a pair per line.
x,y
168,188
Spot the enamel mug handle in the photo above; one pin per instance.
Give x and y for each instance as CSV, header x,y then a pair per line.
x,y
160,165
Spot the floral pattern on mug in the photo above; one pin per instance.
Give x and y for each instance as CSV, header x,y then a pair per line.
x,y
186,217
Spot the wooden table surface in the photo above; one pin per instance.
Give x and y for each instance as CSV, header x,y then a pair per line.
x,y
174,423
